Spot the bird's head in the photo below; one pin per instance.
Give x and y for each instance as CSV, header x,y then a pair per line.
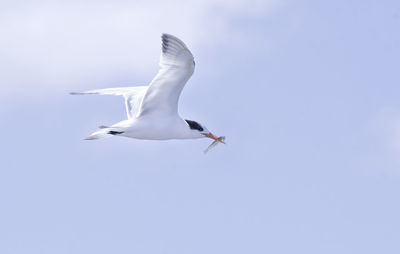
x,y
200,131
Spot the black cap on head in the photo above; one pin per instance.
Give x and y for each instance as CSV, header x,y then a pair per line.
x,y
194,125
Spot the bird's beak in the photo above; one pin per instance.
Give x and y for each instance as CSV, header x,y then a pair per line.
x,y
212,136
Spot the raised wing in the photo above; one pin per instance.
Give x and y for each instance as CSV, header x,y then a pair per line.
x,y
133,97
176,67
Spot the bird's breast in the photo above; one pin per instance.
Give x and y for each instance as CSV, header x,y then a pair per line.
x,y
156,129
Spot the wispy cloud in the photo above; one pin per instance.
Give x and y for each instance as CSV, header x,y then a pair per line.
x,y
47,45
386,125
385,129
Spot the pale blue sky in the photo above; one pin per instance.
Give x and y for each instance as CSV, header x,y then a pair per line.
x,y
307,93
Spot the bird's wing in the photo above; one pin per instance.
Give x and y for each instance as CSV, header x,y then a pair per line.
x,y
176,67
133,96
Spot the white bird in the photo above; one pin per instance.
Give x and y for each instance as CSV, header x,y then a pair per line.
x,y
153,110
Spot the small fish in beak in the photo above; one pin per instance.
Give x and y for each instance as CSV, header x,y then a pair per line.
x,y
213,144
212,136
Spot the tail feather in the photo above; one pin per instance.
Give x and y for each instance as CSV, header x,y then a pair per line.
x,y
102,133
105,132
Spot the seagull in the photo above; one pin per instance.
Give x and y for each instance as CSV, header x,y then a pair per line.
x,y
152,111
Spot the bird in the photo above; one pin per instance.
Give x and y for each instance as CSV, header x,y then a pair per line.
x,y
152,110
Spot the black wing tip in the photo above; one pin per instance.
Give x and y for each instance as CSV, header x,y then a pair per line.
x,y
172,44
115,132
166,38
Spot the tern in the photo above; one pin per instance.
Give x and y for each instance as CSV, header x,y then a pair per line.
x,y
152,111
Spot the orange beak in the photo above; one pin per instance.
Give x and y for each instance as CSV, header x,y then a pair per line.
x,y
212,136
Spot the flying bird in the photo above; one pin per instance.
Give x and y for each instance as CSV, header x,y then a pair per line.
x,y
152,111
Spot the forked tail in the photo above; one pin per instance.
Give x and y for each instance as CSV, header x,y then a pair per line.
x,y
104,132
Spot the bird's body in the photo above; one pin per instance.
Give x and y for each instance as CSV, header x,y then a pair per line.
x,y
152,110
145,128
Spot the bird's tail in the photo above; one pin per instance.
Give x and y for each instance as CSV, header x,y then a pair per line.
x,y
104,132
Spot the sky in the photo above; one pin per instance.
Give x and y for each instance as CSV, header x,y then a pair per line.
x,y
305,91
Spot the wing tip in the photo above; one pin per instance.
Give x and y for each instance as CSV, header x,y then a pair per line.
x,y
166,38
166,35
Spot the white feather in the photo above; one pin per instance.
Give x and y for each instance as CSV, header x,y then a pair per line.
x,y
153,110
177,66
133,96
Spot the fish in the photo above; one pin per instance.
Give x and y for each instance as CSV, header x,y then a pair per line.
x,y
213,144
